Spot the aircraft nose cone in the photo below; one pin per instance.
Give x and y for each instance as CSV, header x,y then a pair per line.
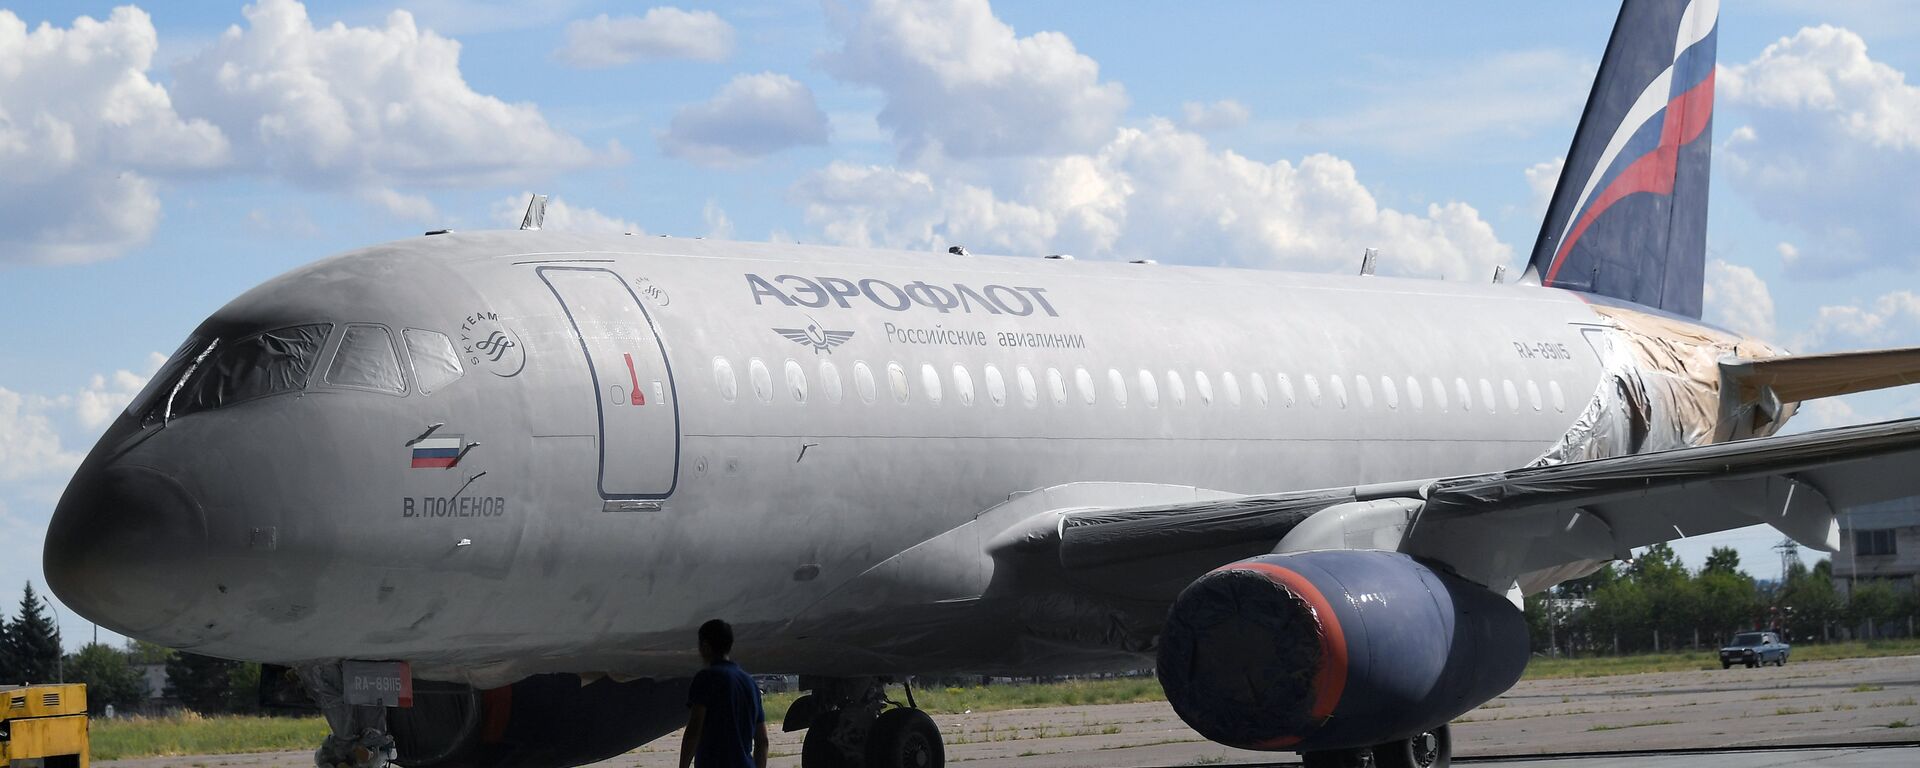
x,y
124,547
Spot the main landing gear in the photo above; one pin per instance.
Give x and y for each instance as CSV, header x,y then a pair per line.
x,y
359,737
1427,749
851,723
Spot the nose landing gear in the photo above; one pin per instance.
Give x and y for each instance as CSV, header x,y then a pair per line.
x,y
1427,749
359,737
851,723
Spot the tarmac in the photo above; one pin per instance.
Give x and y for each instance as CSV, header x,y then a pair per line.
x,y
1859,713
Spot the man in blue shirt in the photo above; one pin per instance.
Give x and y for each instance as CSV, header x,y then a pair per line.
x,y
724,715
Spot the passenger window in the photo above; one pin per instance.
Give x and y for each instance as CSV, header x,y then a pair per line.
x,y
1057,386
1339,390
1559,397
1149,389
1462,394
365,360
1286,391
1084,381
1203,387
1486,396
930,383
1415,397
963,385
897,378
723,379
996,386
830,380
1313,389
1513,395
863,381
1388,394
435,363
1118,383
1259,381
1029,392
1439,394
1533,394
796,382
762,380
1176,388
1230,384
1365,390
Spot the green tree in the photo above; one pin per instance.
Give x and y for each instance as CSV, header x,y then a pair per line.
x,y
1729,602
109,678
1809,602
1872,601
1722,560
203,683
33,642
9,668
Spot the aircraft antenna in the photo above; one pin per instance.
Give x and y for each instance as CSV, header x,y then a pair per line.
x,y
1499,274
1367,260
536,214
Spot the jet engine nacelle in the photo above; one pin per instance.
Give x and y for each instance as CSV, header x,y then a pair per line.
x,y
544,721
1335,649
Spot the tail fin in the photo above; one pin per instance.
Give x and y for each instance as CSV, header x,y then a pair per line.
x,y
1629,217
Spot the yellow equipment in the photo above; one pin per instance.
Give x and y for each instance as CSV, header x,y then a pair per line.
x,y
43,726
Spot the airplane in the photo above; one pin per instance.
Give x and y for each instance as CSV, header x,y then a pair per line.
x,y
477,490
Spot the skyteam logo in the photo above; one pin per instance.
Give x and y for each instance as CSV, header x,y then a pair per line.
x,y
813,336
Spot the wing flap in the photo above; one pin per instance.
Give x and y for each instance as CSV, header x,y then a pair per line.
x,y
1809,377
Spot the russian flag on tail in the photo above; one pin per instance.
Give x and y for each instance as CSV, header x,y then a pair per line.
x,y
437,452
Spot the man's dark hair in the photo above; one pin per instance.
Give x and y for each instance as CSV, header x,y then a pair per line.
x,y
718,635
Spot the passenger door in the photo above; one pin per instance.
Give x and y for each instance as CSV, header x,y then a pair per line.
x,y
632,382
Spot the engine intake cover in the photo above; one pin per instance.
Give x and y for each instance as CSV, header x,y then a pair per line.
x,y
1334,649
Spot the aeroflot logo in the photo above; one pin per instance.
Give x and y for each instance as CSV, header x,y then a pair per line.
x,y
796,291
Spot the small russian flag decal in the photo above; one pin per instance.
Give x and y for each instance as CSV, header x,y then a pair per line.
x,y
437,452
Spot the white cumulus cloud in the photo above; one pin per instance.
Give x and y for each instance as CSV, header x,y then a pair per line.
x,y
663,33
1736,298
83,132
1830,137
1157,192
29,444
1223,115
563,217
958,81
1891,319
751,117
1542,177
363,107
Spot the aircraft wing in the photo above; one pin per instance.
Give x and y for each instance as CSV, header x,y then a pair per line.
x,y
1534,527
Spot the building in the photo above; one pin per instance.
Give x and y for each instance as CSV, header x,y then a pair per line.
x,y
1881,542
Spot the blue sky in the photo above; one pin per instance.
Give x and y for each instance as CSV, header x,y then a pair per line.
x,y
158,162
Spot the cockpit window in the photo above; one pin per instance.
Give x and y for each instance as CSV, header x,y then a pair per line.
x,y
366,360
152,397
221,374
435,363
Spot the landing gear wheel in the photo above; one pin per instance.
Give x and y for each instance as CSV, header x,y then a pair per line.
x,y
1427,749
905,738
818,750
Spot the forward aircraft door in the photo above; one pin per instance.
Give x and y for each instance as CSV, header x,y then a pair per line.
x,y
632,384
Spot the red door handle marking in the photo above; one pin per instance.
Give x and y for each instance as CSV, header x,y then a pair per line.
x,y
639,398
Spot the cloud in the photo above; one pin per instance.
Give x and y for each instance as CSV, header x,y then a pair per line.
x,y
1891,318
1737,299
1156,192
106,395
562,217
663,33
1542,178
83,132
363,108
29,445
1826,129
751,117
719,227
1223,115
958,82
1423,107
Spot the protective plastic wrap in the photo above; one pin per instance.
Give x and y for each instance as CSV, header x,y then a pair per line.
x,y
256,366
366,360
435,363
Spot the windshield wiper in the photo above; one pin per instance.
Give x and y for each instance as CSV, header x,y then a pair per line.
x,y
166,414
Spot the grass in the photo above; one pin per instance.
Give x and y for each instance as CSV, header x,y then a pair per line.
x,y
949,701
191,734
1541,668
1631,725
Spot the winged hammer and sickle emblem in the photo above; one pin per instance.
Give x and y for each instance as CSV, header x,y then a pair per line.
x,y
812,336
